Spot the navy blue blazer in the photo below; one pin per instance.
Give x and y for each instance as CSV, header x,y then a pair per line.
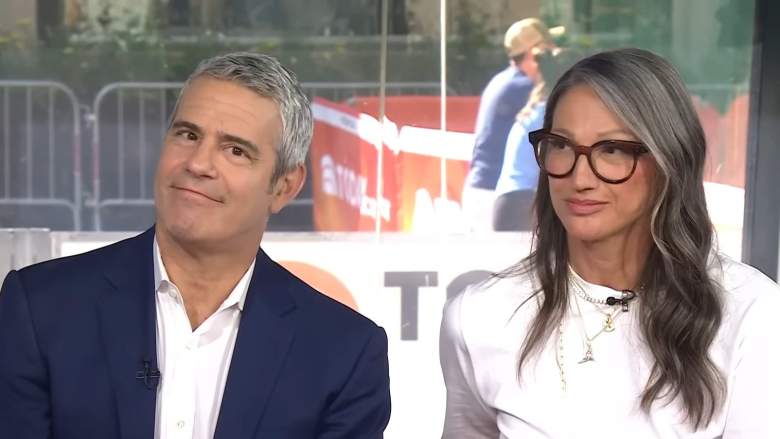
x,y
75,332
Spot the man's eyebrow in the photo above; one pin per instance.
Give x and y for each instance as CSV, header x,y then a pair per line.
x,y
185,124
241,141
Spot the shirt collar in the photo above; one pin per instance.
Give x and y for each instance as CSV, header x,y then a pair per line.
x,y
594,290
236,297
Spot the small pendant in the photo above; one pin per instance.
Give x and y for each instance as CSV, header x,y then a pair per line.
x,y
609,324
588,355
627,295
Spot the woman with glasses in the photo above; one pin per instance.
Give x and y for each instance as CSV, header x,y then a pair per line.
x,y
624,321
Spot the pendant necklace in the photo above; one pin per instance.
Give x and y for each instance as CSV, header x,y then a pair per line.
x,y
607,326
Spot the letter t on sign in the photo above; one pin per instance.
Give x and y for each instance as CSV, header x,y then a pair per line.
x,y
410,283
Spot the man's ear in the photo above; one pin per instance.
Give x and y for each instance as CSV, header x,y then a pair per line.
x,y
287,187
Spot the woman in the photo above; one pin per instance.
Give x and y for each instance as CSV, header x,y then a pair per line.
x,y
519,175
623,321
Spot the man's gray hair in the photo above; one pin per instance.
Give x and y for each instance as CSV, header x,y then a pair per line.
x,y
267,77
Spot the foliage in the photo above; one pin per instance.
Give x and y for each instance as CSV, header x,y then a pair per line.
x,y
121,44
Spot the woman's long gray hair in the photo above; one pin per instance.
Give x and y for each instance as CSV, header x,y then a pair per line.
x,y
680,307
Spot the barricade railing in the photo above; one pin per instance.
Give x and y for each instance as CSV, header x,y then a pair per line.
x,y
40,148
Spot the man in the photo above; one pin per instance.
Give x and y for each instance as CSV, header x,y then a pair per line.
x,y
503,97
189,330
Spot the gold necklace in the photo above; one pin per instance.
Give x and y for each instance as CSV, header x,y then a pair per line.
x,y
559,356
609,318
607,326
589,348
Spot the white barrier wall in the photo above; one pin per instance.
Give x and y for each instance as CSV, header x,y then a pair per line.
x,y
400,281
22,247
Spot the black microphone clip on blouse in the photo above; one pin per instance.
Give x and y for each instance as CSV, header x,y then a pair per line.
x,y
627,296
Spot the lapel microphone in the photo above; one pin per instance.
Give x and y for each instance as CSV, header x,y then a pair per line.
x,y
626,297
150,375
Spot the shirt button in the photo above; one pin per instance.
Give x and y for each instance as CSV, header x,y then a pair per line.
x,y
180,424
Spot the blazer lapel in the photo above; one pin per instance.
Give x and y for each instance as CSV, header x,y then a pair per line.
x,y
128,319
265,333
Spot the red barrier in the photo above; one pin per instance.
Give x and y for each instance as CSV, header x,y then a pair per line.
x,y
423,111
344,163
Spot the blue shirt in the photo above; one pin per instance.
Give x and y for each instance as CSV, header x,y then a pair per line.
x,y
520,171
502,98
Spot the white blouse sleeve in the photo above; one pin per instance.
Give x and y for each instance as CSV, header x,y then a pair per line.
x,y
754,411
467,416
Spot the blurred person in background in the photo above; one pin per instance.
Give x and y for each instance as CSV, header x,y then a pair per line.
x,y
190,330
625,320
519,175
505,94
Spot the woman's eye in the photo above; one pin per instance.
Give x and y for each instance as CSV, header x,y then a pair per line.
x,y
610,150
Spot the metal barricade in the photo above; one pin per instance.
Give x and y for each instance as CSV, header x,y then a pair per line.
x,y
130,119
129,123
40,156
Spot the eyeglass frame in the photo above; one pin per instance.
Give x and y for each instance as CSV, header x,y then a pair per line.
x,y
635,148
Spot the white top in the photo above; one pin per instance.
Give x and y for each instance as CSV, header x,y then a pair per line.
x,y
483,329
194,364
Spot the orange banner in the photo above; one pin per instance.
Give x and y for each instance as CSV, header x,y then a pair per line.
x,y
421,205
726,136
423,111
344,160
344,167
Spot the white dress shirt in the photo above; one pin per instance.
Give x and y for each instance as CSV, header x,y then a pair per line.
x,y
194,364
483,329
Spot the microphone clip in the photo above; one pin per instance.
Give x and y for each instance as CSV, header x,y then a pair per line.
x,y
150,375
627,296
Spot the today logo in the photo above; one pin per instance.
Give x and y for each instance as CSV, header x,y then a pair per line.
x,y
408,283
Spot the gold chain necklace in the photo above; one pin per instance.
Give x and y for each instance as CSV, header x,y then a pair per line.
x,y
559,356
609,318
607,326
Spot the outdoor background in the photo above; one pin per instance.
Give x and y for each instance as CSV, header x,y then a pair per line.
x,y
79,151
86,87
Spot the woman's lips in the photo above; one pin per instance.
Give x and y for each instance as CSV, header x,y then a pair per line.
x,y
584,207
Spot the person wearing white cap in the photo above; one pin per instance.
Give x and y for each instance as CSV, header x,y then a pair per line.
x,y
505,94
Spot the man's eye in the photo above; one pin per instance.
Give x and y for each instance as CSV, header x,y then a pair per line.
x,y
189,135
235,150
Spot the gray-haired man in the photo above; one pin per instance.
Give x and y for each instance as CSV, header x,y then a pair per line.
x,y
189,330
